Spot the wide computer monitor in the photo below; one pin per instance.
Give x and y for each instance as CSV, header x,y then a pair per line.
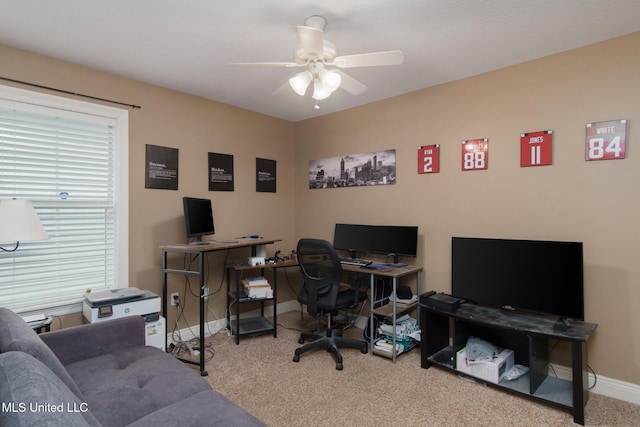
x,y
395,241
198,218
353,238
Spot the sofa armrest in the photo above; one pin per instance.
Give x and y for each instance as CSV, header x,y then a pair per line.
x,y
94,339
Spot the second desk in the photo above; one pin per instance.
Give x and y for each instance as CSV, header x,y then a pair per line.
x,y
394,273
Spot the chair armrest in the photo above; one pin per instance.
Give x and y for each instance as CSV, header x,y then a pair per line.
x,y
95,339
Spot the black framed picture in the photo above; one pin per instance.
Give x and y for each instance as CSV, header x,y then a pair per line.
x,y
161,167
220,172
265,175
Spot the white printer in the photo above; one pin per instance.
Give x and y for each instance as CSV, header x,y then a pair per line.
x,y
117,303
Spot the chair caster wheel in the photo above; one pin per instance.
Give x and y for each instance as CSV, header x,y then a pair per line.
x,y
339,366
301,340
296,358
364,350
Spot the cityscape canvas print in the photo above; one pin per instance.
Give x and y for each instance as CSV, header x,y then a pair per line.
x,y
354,170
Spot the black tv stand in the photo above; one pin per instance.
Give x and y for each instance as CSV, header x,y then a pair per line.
x,y
445,333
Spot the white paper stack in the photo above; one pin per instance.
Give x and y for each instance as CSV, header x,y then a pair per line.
x,y
257,287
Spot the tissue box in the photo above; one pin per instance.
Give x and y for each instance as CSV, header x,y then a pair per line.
x,y
491,371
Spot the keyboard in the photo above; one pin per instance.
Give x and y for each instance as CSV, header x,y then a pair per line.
x,y
355,261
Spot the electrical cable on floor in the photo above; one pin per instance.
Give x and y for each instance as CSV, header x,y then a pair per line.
x,y
180,347
595,377
220,286
216,318
176,328
289,328
58,318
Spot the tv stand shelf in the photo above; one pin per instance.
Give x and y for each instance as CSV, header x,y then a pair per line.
x,y
445,333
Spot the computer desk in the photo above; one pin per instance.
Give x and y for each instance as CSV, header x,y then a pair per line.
x,y
395,273
259,323
200,251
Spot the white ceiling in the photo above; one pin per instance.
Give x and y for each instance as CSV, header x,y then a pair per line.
x,y
187,45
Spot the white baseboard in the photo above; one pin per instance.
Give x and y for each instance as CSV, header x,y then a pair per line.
x,y
609,387
605,386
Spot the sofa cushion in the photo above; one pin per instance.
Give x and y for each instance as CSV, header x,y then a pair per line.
x,y
220,411
32,395
90,340
128,384
16,335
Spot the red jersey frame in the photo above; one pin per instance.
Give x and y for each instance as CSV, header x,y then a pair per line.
x,y
606,140
536,148
475,154
429,159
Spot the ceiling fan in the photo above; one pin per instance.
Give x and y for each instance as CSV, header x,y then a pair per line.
x,y
317,54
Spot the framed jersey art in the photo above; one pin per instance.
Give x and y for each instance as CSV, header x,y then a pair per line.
x,y
535,148
606,140
429,159
475,154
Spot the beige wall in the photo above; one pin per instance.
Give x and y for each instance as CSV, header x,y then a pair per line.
x,y
593,202
195,126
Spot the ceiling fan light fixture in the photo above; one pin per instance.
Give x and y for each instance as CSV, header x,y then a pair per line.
x,y
320,91
330,79
300,82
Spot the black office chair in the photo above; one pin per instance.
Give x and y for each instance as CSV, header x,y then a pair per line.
x,y
321,293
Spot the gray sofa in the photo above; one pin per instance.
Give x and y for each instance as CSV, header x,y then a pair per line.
x,y
102,374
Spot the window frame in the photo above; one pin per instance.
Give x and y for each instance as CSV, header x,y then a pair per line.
x,y
41,102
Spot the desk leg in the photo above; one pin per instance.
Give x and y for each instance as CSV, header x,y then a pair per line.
x,y
372,298
164,295
418,293
274,302
393,318
237,304
202,308
228,308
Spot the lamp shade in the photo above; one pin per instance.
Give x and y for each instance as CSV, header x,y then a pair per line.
x,y
330,79
19,222
320,91
300,82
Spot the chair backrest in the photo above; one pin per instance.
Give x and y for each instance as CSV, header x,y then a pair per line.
x,y
322,271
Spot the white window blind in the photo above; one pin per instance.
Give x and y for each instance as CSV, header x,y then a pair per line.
x,y
66,163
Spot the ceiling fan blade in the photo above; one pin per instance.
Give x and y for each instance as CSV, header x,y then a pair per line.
x,y
312,40
350,84
285,88
391,57
269,64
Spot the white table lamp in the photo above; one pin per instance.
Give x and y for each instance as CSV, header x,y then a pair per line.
x,y
19,222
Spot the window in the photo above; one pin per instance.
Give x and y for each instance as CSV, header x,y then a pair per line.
x,y
70,158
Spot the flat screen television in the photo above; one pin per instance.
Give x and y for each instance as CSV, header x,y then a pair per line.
x,y
353,238
395,241
198,218
530,275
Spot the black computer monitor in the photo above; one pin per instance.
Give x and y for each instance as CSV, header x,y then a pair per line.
x,y
353,238
395,241
198,217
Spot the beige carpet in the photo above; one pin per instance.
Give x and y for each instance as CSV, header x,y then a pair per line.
x,y
259,375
